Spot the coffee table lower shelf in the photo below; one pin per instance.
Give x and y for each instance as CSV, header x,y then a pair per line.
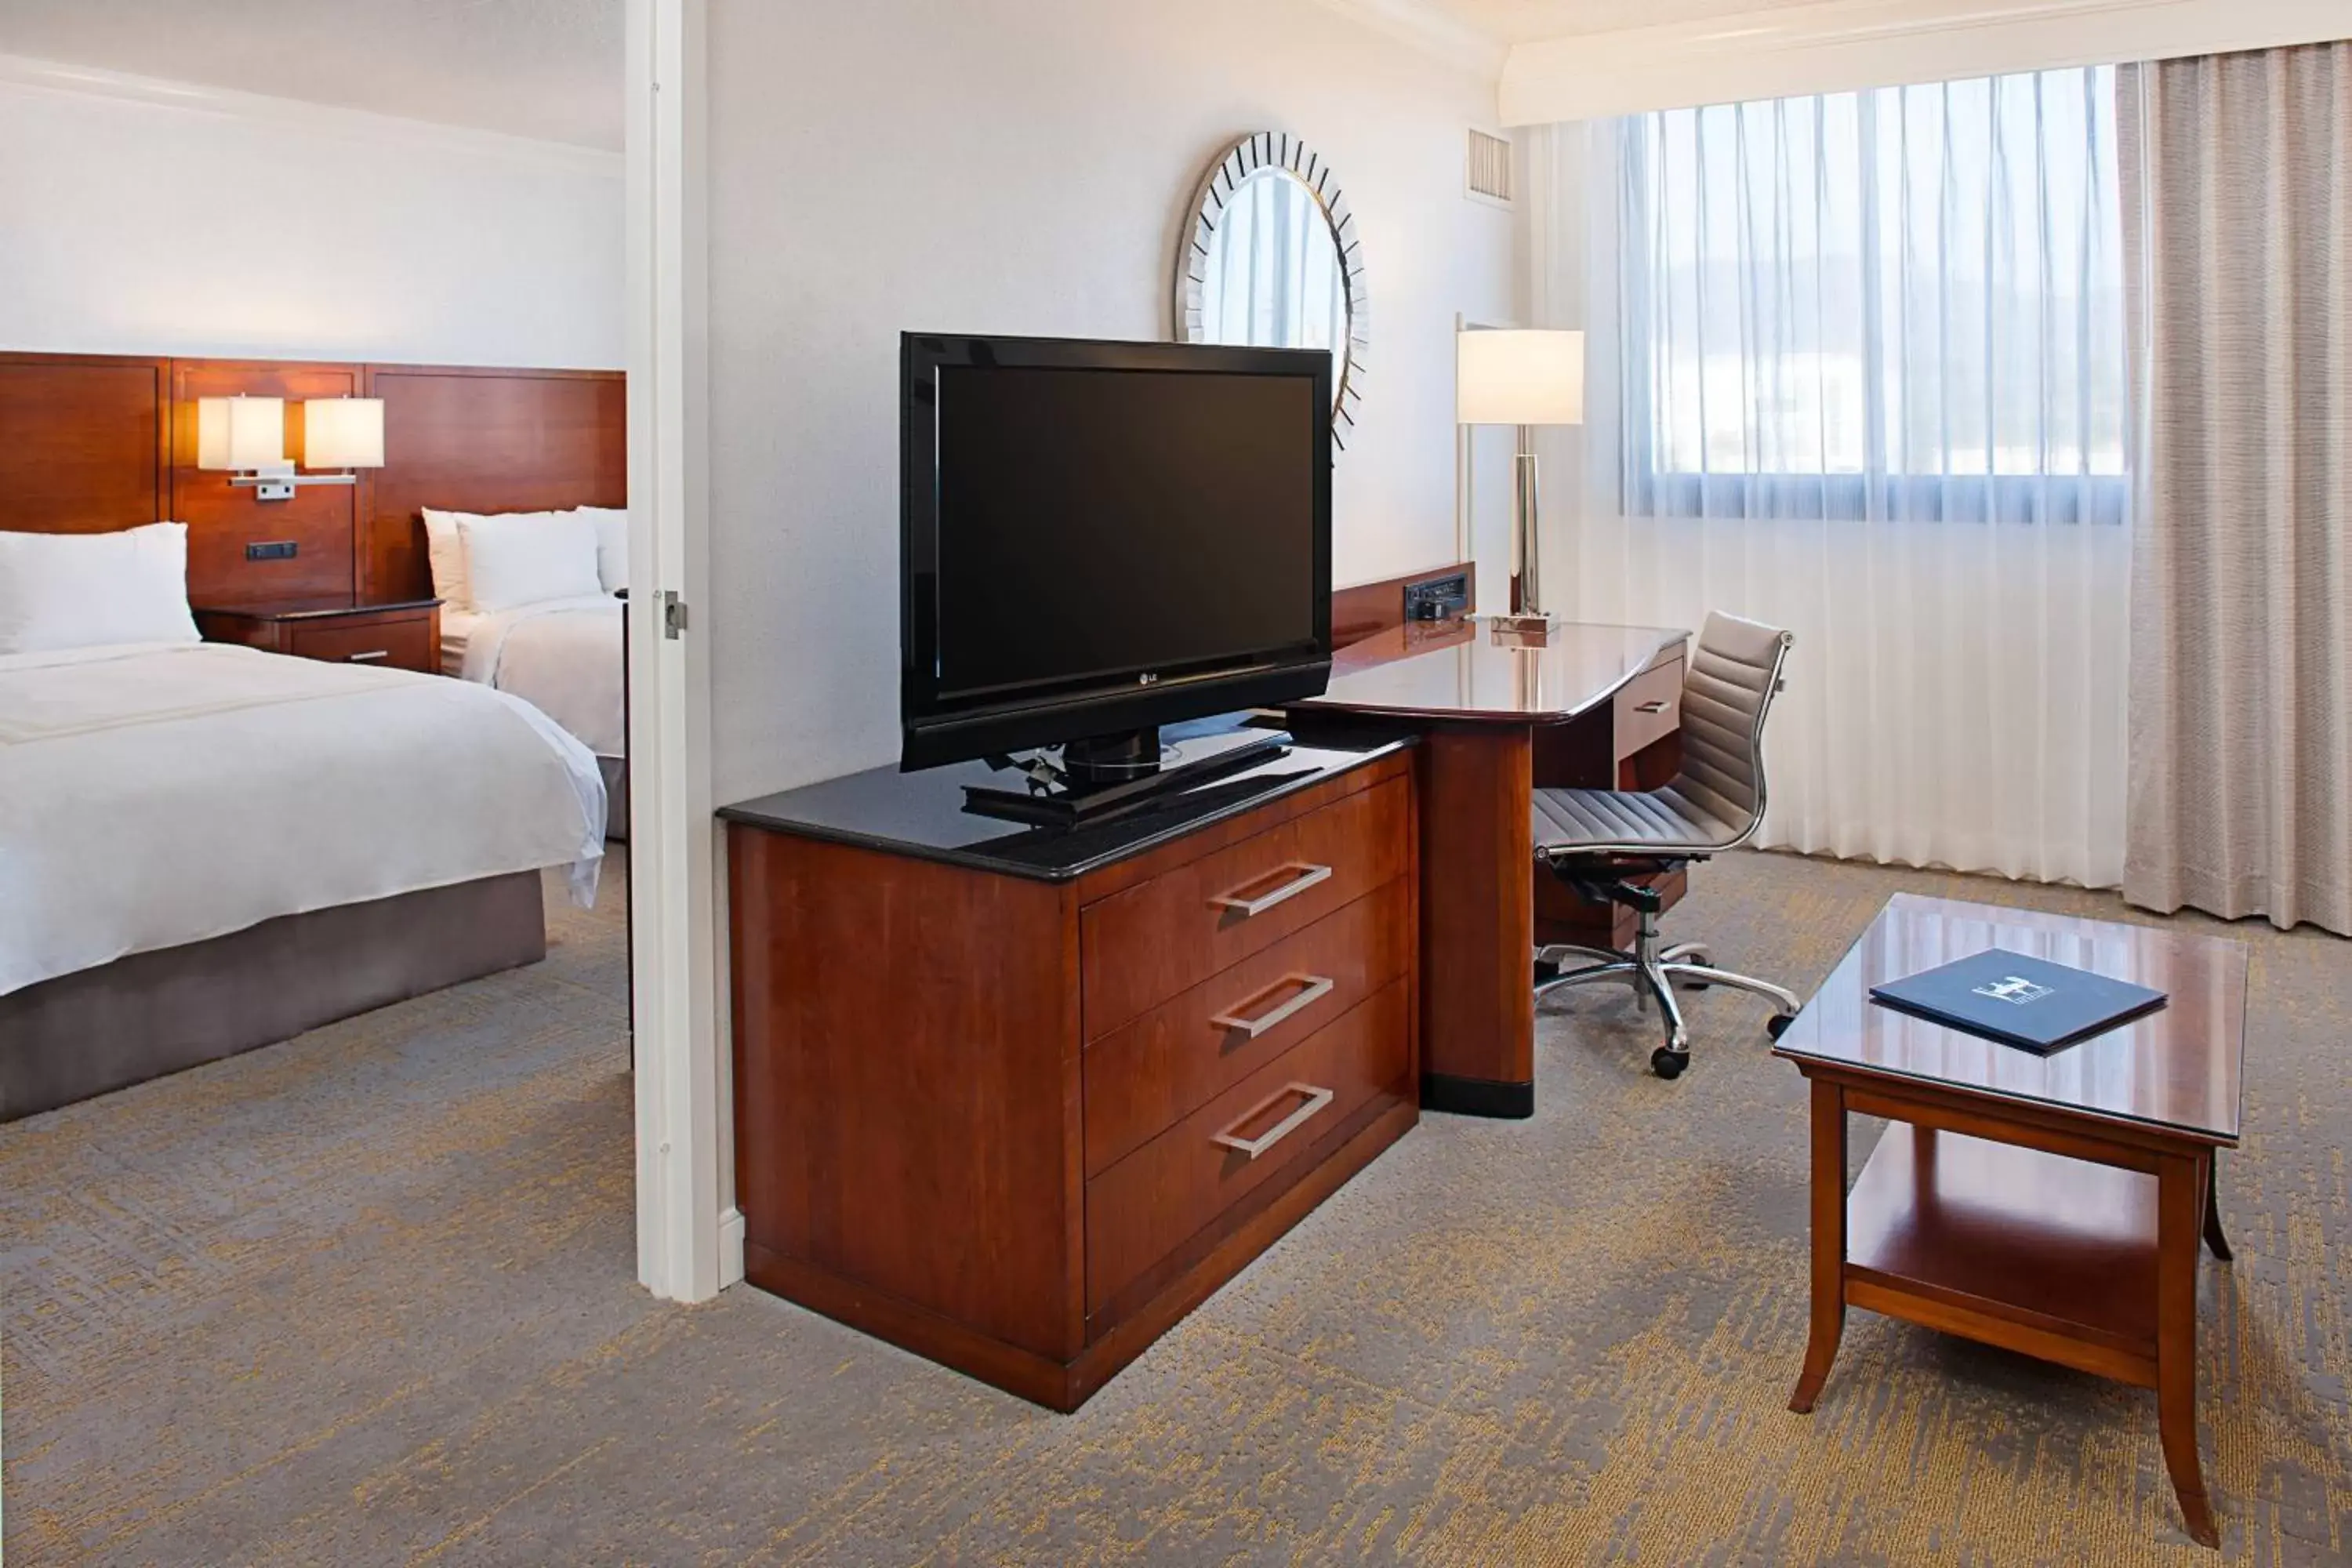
x,y
2014,1246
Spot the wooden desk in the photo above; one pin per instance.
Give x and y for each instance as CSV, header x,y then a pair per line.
x,y
1596,707
2048,1204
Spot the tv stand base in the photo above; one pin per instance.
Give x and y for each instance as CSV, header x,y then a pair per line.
x,y
1075,800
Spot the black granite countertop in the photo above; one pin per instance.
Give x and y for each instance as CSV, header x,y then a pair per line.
x,y
922,814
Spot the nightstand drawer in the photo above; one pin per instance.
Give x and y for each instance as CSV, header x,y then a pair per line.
x,y
394,642
398,636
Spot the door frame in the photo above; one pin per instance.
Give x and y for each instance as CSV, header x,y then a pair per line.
x,y
689,1239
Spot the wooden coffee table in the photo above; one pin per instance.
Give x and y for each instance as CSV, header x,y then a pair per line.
x,y
2049,1205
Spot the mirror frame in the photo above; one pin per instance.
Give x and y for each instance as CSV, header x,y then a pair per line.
x,y
1253,154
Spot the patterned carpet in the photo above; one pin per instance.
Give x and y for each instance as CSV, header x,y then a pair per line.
x,y
367,1298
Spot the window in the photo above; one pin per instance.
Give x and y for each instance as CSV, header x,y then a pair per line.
x,y
1905,304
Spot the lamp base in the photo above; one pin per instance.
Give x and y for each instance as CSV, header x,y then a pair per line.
x,y
1532,630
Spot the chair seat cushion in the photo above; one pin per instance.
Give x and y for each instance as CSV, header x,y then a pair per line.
x,y
1647,821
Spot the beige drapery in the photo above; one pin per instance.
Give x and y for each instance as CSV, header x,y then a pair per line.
x,y
2238,185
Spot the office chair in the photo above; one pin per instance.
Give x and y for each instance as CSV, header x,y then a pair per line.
x,y
1597,840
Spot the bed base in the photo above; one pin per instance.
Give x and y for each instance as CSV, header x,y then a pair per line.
x,y
616,797
150,1014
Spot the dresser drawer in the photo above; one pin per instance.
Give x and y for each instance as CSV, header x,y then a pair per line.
x,y
1142,946
1147,1206
402,643
1144,1076
1649,707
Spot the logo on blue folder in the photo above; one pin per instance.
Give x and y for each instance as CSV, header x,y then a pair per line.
x,y
2015,990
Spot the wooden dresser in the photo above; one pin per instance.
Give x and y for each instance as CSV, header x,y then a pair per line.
x,y
1018,1100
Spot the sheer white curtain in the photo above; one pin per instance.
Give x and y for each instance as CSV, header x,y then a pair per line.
x,y
1859,370
1275,278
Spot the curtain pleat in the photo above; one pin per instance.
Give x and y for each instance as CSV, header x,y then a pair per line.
x,y
2241,732
1859,369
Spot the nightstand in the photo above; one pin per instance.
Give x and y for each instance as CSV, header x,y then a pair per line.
x,y
405,635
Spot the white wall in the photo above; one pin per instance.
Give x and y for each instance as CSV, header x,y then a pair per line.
x,y
230,225
1021,166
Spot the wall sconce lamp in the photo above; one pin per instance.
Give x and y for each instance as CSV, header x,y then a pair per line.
x,y
246,436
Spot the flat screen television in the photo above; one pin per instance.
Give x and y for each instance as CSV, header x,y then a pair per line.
x,y
1097,539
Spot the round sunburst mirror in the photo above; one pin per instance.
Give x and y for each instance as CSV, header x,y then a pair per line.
x,y
1273,260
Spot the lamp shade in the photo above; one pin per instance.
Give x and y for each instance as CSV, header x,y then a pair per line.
x,y
244,434
343,433
1520,377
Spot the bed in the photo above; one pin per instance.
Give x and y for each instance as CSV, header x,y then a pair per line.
x,y
563,654
205,848
563,657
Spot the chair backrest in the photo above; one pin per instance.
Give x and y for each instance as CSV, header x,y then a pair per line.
x,y
1727,694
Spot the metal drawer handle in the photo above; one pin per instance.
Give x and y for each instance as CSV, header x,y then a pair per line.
x,y
367,657
1316,988
1316,1098
1309,876
1657,707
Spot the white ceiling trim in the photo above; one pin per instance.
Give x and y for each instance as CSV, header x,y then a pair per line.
x,y
1430,28
1843,46
298,114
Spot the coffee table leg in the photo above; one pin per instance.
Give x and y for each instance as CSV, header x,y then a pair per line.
x,y
2213,1236
2180,1195
1829,1244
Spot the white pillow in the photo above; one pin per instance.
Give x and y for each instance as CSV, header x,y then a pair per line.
x,y
528,558
446,552
87,590
611,545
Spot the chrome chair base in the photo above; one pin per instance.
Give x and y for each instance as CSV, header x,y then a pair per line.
x,y
1654,973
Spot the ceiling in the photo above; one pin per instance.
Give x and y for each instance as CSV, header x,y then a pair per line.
x,y
1534,21
543,69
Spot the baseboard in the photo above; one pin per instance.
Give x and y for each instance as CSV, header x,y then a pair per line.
x,y
730,1249
1477,1097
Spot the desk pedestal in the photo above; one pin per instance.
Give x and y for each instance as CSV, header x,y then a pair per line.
x,y
1485,904
1594,707
1478,921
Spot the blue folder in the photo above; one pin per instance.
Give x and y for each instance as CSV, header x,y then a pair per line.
x,y
2029,1003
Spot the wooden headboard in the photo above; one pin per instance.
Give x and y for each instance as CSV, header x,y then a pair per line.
x,y
85,443
464,439
91,443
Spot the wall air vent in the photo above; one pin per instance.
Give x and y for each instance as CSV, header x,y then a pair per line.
x,y
1491,178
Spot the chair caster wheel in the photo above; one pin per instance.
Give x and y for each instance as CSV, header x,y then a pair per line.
x,y
1668,1063
1778,1024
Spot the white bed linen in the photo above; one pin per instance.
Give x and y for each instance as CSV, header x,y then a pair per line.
x,y
153,795
563,657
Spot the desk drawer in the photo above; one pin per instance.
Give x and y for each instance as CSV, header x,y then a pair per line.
x,y
1146,1075
1649,707
1150,1204
402,644
1142,946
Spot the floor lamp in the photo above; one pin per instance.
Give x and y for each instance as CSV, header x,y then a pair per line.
x,y
1524,379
